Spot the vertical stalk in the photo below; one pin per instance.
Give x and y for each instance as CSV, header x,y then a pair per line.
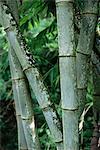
x,y
96,84
96,102
22,145
84,48
23,99
67,73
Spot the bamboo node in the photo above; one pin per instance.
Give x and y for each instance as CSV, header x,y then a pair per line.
x,y
21,78
82,88
18,114
69,109
46,108
27,68
7,29
69,1
25,118
68,55
86,54
90,13
23,148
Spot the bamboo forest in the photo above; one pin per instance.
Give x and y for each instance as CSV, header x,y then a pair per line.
x,y
49,75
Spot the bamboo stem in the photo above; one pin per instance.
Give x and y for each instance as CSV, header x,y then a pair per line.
x,y
22,145
22,97
67,73
84,49
96,91
95,141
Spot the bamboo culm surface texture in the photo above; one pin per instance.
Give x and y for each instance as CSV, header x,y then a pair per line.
x,y
84,48
23,103
67,73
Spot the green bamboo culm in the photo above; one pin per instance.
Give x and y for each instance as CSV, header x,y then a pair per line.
x,y
84,48
67,73
35,81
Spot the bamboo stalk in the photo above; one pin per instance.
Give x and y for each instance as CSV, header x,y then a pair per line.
x,y
13,5
23,98
67,73
35,82
22,145
96,91
95,143
84,48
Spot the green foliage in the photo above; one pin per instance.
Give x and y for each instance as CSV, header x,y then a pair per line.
x,y
5,81
8,132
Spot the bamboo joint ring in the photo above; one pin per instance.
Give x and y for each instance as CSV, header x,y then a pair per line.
x,y
70,1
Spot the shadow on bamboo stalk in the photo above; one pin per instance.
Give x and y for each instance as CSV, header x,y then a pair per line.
x,y
84,48
34,79
95,143
24,107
